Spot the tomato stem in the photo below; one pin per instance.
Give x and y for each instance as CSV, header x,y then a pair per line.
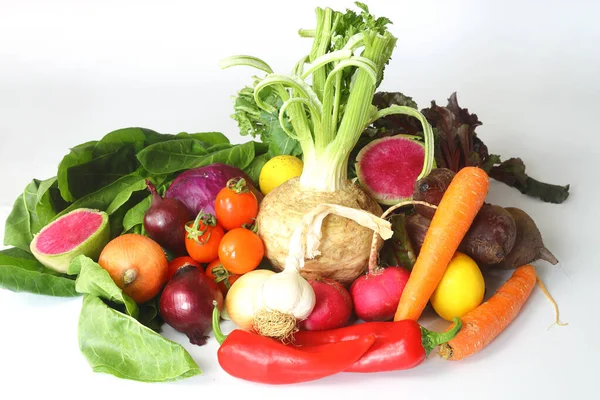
x,y
237,185
195,232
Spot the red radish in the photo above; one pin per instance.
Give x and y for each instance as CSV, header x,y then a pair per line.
x,y
333,306
376,295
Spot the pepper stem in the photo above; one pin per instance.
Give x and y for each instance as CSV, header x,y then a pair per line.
x,y
216,316
432,339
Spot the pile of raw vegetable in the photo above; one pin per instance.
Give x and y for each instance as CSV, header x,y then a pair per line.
x,y
323,239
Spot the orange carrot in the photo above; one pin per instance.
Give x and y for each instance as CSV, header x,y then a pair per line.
x,y
453,218
487,321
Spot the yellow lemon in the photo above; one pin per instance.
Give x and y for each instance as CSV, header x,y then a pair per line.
x,y
278,170
460,290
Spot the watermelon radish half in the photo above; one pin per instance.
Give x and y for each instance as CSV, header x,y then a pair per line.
x,y
82,231
388,168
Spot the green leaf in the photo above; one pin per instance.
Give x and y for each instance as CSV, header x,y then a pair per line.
x,y
22,222
126,137
398,250
208,138
49,202
79,154
94,280
102,198
102,170
21,272
135,215
172,156
117,344
125,194
149,315
240,156
253,170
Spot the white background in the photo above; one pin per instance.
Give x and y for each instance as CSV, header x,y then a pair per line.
x,y
71,71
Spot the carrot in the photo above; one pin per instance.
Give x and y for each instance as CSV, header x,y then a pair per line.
x,y
487,321
459,205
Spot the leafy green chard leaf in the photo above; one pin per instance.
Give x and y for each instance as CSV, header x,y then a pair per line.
x,y
172,156
94,280
115,140
102,170
49,201
125,194
135,215
21,272
118,216
22,222
149,315
102,198
117,344
398,251
253,170
207,138
79,154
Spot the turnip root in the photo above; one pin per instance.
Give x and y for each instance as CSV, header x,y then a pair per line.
x,y
333,306
345,245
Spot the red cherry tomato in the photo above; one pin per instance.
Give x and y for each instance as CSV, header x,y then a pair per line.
x,y
203,238
235,205
241,250
181,262
224,278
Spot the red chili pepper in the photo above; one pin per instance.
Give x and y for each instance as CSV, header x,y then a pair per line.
x,y
247,355
399,345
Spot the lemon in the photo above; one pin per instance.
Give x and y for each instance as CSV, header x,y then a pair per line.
x,y
461,288
278,170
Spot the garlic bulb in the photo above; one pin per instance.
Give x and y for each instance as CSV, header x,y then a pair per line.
x,y
287,297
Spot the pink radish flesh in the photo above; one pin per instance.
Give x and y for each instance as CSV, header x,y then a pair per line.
x,y
333,306
375,296
67,233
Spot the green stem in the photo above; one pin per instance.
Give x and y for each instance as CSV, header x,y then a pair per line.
x,y
432,339
216,316
237,185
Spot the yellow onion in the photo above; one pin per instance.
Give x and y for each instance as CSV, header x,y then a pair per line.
x,y
241,302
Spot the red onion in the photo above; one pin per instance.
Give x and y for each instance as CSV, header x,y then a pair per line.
x,y
186,303
165,222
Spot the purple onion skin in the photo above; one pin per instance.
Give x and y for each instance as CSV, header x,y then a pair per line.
x,y
186,303
197,188
165,221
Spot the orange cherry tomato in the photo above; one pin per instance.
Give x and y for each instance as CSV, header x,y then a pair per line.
x,y
236,205
181,262
224,278
241,250
203,237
